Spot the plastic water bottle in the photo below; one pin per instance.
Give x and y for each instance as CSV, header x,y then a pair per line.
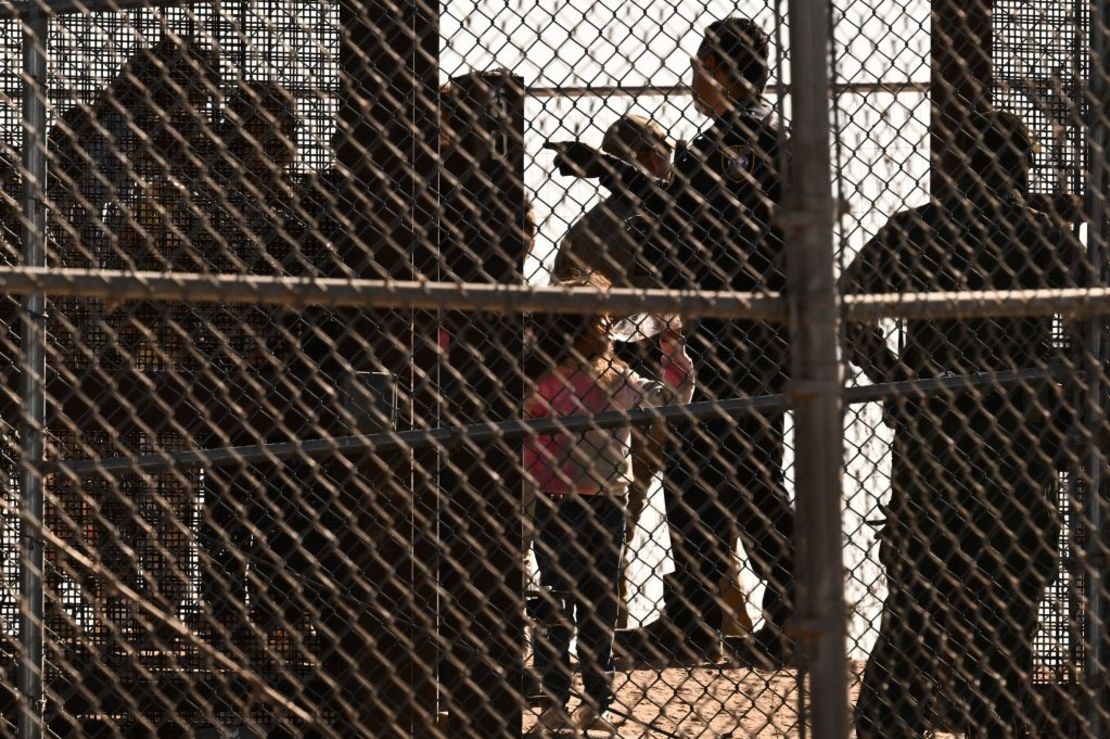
x,y
642,326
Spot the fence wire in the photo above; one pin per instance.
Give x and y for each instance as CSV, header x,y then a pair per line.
x,y
483,369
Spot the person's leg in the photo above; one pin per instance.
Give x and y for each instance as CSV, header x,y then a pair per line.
x,y
599,529
225,542
554,545
175,499
763,514
646,461
896,694
899,683
293,515
715,478
119,539
702,533
1019,523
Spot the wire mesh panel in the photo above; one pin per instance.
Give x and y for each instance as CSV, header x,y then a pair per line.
x,y
1045,89
461,370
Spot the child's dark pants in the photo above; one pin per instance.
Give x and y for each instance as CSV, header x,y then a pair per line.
x,y
578,550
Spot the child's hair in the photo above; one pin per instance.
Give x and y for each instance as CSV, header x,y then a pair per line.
x,y
560,340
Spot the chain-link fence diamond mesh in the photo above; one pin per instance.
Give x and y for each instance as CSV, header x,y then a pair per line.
x,y
483,369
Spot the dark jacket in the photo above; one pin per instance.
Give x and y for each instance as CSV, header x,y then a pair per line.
x,y
998,243
599,242
713,228
960,246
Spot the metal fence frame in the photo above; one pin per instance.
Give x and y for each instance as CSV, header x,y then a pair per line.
x,y
33,380
1098,231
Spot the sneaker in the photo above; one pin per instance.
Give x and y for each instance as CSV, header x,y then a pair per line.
x,y
552,720
587,718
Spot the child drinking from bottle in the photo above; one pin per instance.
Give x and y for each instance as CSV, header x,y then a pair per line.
x,y
581,480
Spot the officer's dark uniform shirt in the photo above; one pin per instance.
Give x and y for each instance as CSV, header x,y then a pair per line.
x,y
712,228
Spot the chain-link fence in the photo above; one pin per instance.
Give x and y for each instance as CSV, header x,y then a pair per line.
x,y
477,369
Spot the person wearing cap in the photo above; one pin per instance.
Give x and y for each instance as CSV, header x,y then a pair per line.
x,y
598,242
713,228
971,531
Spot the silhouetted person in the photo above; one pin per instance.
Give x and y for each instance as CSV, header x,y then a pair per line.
x,y
150,120
599,241
971,532
254,514
581,482
148,123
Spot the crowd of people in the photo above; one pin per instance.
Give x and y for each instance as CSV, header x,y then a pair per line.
x,y
971,531
164,169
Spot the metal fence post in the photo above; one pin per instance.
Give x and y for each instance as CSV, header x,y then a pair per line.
x,y
1095,354
817,378
32,378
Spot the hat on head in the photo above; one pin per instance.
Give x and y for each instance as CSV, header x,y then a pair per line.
x,y
630,133
998,134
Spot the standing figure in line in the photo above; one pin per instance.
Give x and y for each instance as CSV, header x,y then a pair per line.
x,y
210,205
713,228
971,534
599,243
151,119
257,529
149,123
582,481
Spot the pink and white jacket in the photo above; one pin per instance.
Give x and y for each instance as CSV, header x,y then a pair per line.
x,y
596,461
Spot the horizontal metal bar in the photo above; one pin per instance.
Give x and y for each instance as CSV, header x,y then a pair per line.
x,y
539,91
416,439
119,286
935,386
515,429
1088,302
578,91
116,285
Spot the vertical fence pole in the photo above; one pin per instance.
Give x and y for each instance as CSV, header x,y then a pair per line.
x,y
816,380
32,378
1095,351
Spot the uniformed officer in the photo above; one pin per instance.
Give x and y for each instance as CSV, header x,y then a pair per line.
x,y
971,532
712,228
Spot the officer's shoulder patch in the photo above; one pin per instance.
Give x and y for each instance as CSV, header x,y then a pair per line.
x,y
737,161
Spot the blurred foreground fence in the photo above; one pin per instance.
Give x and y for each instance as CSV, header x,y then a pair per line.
x,y
333,403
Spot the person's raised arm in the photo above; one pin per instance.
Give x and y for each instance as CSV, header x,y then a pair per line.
x,y
576,159
678,369
677,385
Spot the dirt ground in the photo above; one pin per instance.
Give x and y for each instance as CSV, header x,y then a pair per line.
x,y
708,703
